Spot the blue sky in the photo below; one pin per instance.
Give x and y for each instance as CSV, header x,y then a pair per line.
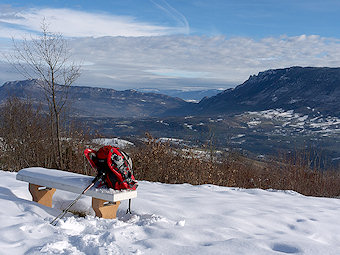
x,y
253,18
181,44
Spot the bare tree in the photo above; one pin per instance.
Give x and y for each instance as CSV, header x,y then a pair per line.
x,y
47,58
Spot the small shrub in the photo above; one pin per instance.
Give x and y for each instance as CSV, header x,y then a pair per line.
x,y
27,141
163,162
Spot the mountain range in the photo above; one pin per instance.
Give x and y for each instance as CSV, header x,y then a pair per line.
x,y
188,95
302,89
97,102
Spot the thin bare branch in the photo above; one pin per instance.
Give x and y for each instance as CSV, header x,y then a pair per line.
x,y
47,59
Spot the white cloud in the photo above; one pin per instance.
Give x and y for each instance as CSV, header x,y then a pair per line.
x,y
194,61
179,60
74,23
173,73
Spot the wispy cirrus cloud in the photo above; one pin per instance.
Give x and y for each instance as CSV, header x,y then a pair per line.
x,y
74,23
174,14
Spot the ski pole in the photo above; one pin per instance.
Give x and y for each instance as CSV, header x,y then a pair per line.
x,y
62,214
129,209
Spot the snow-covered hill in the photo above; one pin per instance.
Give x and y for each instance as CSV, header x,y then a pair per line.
x,y
173,219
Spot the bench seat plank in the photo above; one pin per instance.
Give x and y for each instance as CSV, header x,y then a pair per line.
x,y
71,182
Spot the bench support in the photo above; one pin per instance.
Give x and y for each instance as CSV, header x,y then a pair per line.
x,y
105,209
41,195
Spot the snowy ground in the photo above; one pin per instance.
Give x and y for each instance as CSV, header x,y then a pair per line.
x,y
173,219
314,122
117,142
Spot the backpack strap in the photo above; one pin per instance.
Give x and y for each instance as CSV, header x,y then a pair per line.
x,y
90,155
127,159
110,163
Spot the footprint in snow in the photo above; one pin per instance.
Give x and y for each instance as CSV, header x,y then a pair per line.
x,y
285,248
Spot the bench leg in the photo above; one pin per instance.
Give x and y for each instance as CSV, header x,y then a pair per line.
x,y
41,196
105,209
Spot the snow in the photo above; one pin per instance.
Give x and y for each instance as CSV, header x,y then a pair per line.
x,y
170,140
253,123
71,182
172,219
189,126
238,136
315,123
162,122
117,142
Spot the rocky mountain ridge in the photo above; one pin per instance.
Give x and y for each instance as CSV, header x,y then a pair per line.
x,y
295,88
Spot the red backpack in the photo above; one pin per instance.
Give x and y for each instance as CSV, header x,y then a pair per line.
x,y
115,164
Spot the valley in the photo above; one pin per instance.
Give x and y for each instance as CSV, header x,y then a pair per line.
x,y
256,134
275,111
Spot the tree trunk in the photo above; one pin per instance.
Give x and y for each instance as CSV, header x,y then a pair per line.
x,y
60,157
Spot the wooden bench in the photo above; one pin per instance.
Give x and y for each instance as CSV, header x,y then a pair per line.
x,y
44,182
